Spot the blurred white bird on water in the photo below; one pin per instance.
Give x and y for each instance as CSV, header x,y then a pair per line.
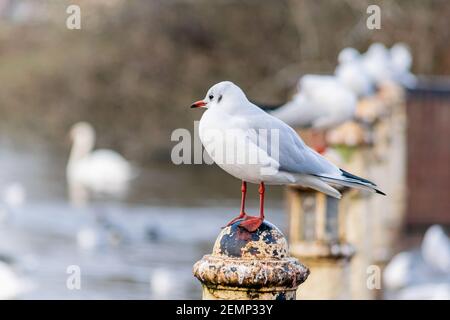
x,y
11,286
424,273
101,171
436,249
12,197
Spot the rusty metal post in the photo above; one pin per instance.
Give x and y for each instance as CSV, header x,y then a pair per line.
x,y
317,238
250,266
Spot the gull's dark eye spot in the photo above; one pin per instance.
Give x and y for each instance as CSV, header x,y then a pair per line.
x,y
220,98
211,97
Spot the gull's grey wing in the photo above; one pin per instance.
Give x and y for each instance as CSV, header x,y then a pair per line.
x,y
293,154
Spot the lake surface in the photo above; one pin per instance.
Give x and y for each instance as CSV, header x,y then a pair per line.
x,y
142,246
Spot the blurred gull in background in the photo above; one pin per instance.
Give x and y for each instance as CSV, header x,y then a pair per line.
x,y
13,196
387,65
161,283
421,274
321,102
101,171
11,285
401,62
351,72
376,62
436,249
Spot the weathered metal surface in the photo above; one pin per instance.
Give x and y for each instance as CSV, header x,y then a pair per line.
x,y
266,242
250,265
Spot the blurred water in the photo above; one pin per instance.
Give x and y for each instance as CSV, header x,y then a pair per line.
x,y
140,247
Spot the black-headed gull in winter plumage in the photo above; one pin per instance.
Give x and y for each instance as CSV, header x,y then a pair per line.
x,y
256,147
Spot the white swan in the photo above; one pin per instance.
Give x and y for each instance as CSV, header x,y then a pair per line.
x,y
100,171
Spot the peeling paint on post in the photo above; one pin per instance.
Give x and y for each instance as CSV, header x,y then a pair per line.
x,y
250,266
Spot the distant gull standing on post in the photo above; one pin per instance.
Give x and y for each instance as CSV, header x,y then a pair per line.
x,y
321,102
401,63
241,139
376,61
351,73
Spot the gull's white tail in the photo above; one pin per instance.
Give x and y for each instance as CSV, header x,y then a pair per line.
x,y
316,183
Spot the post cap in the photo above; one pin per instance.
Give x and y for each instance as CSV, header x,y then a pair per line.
x,y
267,242
251,260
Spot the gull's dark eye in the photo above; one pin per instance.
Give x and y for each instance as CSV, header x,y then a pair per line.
x,y
211,97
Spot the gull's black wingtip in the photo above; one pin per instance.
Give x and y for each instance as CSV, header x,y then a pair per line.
x,y
380,192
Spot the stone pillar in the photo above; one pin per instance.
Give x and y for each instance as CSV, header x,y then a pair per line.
x,y
389,170
317,238
353,143
250,266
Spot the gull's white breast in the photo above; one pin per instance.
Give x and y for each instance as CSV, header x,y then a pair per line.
x,y
236,149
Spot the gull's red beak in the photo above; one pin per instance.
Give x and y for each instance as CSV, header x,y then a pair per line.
x,y
198,104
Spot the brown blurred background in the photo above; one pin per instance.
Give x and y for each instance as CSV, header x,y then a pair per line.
x,y
132,71
135,66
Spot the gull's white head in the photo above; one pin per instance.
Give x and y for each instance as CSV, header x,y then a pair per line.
x,y
348,55
83,135
377,50
224,94
401,57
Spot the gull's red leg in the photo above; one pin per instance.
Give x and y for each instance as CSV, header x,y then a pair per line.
x,y
262,190
242,214
244,194
253,223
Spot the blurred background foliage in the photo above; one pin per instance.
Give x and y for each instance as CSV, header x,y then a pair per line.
x,y
135,66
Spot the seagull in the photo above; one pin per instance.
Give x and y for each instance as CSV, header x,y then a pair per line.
x,y
351,72
321,102
11,285
258,148
435,249
377,63
101,171
401,62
